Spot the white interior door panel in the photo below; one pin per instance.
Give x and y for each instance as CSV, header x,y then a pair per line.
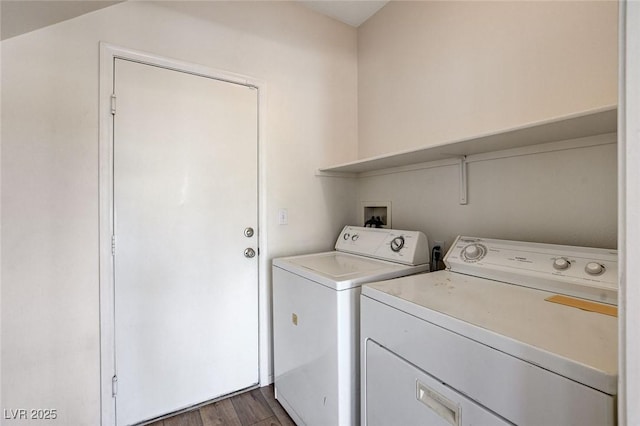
x,y
185,189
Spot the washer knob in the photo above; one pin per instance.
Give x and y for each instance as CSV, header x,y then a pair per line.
x,y
397,243
561,264
355,237
472,251
594,268
346,236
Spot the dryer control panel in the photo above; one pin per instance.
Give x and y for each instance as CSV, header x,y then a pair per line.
x,y
406,247
585,272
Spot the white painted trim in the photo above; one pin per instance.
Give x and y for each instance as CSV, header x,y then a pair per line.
x,y
629,214
264,268
390,170
1,209
586,142
108,53
105,188
622,260
411,167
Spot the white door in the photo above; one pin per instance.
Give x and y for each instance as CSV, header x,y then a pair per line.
x,y
185,189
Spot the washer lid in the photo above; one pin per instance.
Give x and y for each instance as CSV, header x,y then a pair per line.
x,y
338,265
341,271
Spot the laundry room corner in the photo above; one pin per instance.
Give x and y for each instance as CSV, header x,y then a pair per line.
x,y
319,213
50,157
514,78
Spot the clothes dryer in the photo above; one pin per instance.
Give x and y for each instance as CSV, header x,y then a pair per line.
x,y
510,333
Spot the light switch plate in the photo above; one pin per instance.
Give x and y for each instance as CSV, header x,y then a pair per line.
x,y
283,217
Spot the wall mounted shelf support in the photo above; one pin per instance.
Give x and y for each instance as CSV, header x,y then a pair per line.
x,y
586,128
463,180
580,125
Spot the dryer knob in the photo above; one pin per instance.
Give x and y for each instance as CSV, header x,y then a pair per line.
x,y
594,268
561,264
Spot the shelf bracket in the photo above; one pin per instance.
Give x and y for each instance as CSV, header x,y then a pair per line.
x,y
463,180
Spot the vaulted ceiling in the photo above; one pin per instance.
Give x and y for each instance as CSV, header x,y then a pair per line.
x,y
22,16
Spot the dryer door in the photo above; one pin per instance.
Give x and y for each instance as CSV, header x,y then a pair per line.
x,y
398,393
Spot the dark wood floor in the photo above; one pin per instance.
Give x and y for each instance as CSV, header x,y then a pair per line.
x,y
257,407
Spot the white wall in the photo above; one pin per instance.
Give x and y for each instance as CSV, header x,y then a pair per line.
x,y
50,328
431,72
425,72
561,197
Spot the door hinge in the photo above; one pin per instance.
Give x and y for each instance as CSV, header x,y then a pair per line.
x,y
113,104
114,386
113,245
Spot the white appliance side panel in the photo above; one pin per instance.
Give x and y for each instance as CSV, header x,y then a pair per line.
x,y
305,347
315,349
398,393
518,391
348,332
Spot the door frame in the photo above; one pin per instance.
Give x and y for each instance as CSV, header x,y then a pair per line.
x,y
108,53
628,212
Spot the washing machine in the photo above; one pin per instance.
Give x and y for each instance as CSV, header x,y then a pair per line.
x,y
316,311
510,333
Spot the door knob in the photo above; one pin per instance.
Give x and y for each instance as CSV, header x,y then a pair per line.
x,y
248,232
249,252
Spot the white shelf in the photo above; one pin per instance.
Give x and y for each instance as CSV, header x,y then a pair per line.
x,y
580,125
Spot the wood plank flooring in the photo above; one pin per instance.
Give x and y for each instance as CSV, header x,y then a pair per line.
x,y
257,407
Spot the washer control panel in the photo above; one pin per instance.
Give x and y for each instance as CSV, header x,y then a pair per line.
x,y
406,247
584,272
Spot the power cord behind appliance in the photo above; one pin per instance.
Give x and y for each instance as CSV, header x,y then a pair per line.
x,y
436,254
